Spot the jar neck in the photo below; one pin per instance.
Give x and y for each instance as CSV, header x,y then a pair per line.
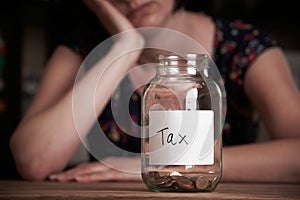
x,y
174,65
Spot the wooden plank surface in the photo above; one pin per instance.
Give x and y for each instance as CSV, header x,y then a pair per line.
x,y
137,190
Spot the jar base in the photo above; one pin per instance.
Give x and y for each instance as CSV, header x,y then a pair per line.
x,y
188,182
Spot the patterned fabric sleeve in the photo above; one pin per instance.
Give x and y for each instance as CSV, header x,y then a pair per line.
x,y
250,44
236,47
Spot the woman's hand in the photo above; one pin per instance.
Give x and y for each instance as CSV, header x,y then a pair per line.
x,y
105,170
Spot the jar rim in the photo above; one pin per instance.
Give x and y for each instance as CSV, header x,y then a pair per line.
x,y
188,56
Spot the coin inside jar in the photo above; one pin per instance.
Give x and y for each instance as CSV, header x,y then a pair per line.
x,y
214,182
183,182
202,183
153,175
165,181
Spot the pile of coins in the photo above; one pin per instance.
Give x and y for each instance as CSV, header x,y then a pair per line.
x,y
179,182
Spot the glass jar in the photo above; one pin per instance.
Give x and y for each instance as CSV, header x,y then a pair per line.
x,y
181,126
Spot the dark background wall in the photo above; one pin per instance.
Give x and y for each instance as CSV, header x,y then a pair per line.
x,y
20,20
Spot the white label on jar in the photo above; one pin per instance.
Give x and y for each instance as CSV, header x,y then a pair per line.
x,y
181,137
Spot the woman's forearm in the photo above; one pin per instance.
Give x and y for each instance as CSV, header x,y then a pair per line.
x,y
273,161
44,142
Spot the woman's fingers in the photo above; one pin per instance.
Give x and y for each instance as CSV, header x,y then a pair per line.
x,y
84,168
107,170
108,175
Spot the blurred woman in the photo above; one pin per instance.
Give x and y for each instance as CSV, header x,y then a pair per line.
x,y
255,72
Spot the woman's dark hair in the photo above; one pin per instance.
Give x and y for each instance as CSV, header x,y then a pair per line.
x,y
179,4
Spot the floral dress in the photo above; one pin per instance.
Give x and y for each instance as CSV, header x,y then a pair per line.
x,y
236,46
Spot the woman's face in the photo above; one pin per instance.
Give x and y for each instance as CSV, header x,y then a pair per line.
x,y
146,13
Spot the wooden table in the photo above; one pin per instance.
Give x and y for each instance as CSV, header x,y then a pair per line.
x,y
14,189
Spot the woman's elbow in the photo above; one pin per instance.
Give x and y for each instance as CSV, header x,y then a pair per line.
x,y
32,170
29,167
